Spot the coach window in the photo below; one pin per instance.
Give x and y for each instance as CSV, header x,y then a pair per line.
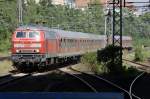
x,y
86,43
70,43
61,42
75,43
89,44
94,43
82,43
65,43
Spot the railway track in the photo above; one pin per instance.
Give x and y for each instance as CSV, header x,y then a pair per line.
x,y
5,76
85,79
85,82
5,58
35,82
11,78
143,67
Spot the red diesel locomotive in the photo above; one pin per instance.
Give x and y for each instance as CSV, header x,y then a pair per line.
x,y
42,46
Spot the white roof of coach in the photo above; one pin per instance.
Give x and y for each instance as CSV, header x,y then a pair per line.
x,y
70,34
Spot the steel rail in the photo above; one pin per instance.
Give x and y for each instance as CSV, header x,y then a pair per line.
x,y
137,63
13,80
82,80
109,82
5,76
130,90
138,76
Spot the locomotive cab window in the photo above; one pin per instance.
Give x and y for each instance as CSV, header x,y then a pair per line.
x,y
20,34
34,34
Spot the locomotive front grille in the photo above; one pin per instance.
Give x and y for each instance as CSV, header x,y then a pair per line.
x,y
27,51
19,51
27,57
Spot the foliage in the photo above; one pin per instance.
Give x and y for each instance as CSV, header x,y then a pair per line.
x,y
90,59
64,17
5,67
130,71
139,56
106,55
7,22
136,26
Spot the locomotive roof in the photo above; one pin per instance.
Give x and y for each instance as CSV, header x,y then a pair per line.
x,y
64,33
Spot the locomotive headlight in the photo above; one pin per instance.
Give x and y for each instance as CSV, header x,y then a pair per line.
x,y
17,51
37,50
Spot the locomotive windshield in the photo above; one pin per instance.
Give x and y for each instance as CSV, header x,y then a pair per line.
x,y
21,35
34,35
27,35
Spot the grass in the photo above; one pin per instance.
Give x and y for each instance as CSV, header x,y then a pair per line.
x,y
146,53
5,53
131,56
82,67
5,67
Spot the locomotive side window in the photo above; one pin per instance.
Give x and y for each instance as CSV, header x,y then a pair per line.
x,y
21,35
34,34
50,35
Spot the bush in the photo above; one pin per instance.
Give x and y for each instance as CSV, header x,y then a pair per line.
x,y
106,56
139,56
5,45
90,59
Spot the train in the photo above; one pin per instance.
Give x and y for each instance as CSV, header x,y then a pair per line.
x,y
39,46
